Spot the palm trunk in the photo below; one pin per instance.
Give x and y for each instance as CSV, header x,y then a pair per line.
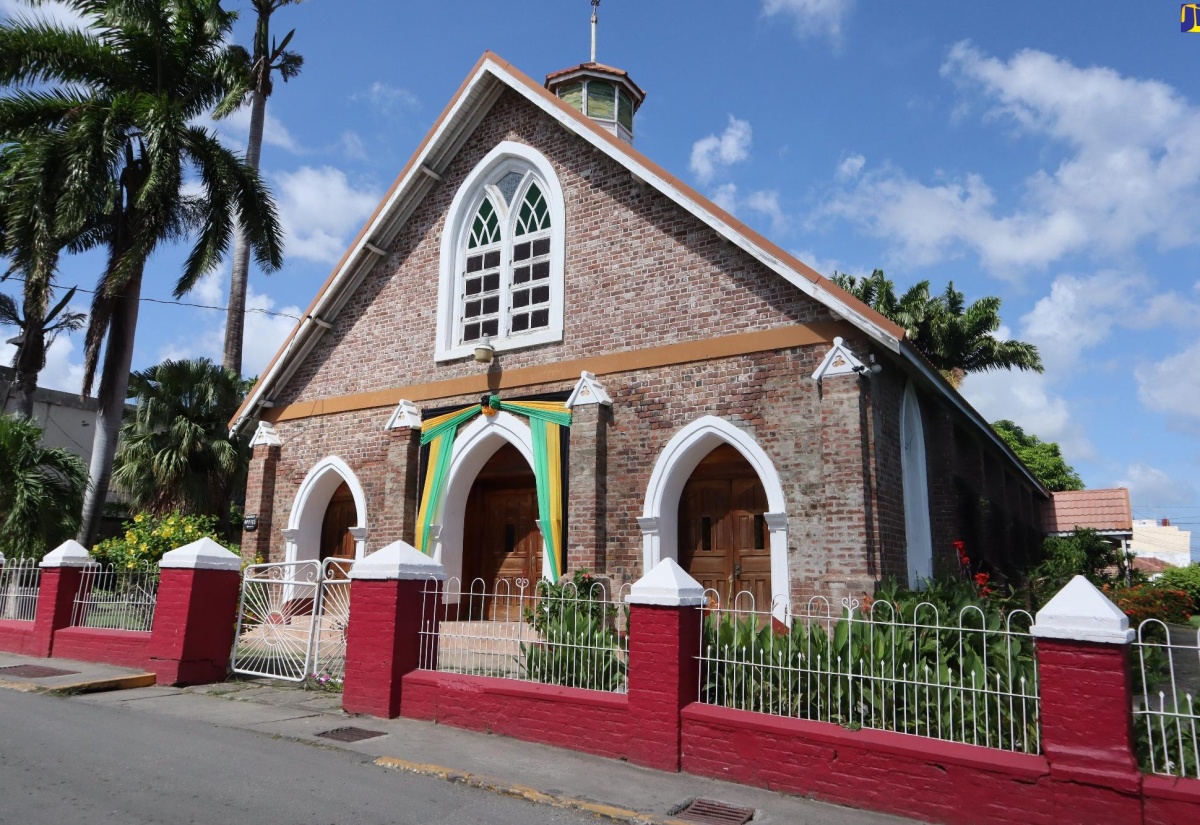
x,y
235,316
29,359
114,381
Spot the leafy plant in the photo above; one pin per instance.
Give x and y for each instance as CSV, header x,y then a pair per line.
x,y
934,663
41,491
578,642
1186,579
1150,601
147,537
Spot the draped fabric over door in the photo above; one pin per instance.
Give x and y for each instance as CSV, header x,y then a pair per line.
x,y
723,541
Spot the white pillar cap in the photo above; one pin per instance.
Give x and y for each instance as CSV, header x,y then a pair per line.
x,y
667,585
399,561
204,554
1081,613
68,554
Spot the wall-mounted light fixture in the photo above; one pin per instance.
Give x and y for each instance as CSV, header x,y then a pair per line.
x,y
484,351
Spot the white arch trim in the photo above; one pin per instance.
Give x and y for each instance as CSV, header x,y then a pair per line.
x,y
918,534
519,157
660,515
303,533
473,446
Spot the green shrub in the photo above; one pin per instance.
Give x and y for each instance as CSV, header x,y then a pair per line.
x,y
1186,579
1151,601
578,642
147,537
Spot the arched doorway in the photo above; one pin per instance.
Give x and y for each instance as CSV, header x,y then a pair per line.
x,y
340,516
305,533
723,540
501,541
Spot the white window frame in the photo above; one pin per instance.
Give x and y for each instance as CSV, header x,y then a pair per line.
x,y
507,156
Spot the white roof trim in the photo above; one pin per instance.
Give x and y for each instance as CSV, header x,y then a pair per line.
x,y
450,128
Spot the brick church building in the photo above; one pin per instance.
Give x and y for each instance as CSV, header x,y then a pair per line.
x,y
545,353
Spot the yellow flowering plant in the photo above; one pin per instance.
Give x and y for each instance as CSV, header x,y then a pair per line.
x,y
147,537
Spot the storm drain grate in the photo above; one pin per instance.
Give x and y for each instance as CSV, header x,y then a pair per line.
x,y
350,734
711,812
34,671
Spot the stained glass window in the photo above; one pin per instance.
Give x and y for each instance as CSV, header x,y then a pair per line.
x,y
602,100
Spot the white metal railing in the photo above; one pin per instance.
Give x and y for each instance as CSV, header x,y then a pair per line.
x,y
532,632
972,679
19,582
333,617
1165,711
116,599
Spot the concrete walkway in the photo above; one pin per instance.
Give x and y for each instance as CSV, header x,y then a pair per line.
x,y
611,789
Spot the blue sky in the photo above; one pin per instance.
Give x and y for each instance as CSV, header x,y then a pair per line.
x,y
1048,153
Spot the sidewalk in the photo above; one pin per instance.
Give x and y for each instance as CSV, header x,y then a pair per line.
x,y
610,789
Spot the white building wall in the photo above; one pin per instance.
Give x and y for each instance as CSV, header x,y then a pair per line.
x,y
1166,543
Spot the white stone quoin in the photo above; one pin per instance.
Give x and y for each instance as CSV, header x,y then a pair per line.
x,y
68,554
1081,613
204,554
667,585
398,560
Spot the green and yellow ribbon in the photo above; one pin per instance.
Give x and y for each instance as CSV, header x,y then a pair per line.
x,y
546,420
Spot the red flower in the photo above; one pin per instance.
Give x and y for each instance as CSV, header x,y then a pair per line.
x,y
959,546
981,579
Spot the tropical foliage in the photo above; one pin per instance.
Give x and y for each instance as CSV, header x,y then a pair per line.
x,y
176,454
1043,458
578,644
148,536
956,338
41,490
908,662
1186,579
110,116
1082,553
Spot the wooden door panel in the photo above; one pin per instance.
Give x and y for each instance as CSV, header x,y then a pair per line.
x,y
340,516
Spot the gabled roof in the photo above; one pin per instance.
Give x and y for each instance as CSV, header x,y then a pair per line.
x,y
1107,511
490,77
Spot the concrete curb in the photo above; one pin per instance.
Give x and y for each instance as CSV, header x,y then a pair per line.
x,y
133,680
485,783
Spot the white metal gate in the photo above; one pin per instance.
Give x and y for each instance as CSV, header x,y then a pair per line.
x,y
292,620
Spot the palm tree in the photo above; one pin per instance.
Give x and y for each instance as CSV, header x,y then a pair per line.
x,y
41,491
175,454
37,331
268,58
957,339
117,105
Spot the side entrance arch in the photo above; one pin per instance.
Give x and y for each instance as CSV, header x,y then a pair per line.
x,y
715,505
329,515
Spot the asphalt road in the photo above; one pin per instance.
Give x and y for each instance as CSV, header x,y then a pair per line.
x,y
64,762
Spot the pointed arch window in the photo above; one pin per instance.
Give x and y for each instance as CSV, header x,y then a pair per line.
x,y
502,256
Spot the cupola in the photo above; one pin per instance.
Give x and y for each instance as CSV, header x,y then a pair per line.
x,y
602,93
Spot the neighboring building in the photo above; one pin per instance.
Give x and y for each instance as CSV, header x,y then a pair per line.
x,y
1105,511
67,421
698,393
1163,541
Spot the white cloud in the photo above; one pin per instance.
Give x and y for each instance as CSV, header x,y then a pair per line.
x,y
825,266
1172,385
1151,486
812,18
763,202
62,371
1131,171
1028,399
353,146
319,209
235,129
851,167
386,98
730,147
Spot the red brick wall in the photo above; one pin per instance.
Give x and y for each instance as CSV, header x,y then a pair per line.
x,y
16,637
127,648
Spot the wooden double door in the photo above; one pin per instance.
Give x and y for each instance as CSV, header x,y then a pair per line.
x,y
723,540
340,515
502,545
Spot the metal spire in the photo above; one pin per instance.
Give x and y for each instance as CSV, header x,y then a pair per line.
x,y
595,19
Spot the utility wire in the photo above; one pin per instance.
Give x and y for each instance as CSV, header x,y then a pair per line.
x,y
185,303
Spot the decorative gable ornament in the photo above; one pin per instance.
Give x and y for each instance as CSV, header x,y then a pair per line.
x,y
406,414
839,361
588,391
265,436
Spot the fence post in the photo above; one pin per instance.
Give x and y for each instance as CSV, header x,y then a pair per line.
x,y
384,632
1087,706
62,572
195,614
664,669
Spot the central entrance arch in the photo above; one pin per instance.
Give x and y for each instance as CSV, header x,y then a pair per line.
x,y
675,466
328,516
